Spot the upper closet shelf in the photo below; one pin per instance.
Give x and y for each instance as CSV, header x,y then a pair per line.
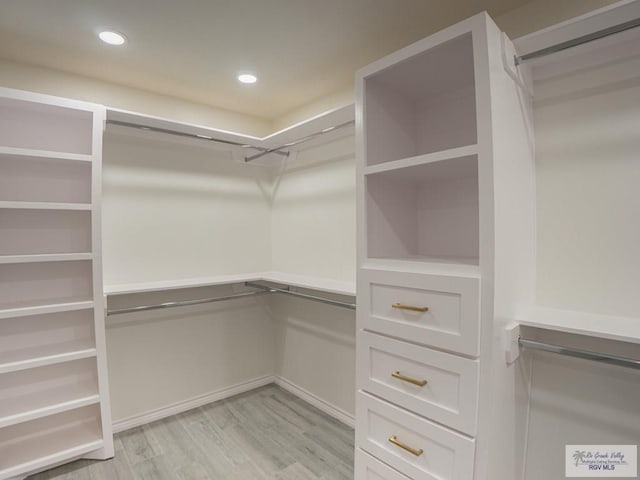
x,y
623,329
249,148
44,154
312,283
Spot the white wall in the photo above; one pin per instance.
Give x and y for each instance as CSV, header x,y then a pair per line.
x,y
174,210
161,358
313,233
588,202
587,140
313,212
171,211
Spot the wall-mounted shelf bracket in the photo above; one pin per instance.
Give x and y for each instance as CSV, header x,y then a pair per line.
x,y
511,341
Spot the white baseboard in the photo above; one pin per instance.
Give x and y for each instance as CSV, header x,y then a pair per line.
x,y
200,400
195,402
316,401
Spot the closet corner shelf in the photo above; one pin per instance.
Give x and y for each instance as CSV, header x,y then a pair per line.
x,y
26,152
44,205
37,258
622,329
423,159
313,283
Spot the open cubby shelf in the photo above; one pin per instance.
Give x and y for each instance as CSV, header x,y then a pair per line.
x,y
426,213
35,179
46,338
39,126
32,232
423,104
45,441
34,284
47,390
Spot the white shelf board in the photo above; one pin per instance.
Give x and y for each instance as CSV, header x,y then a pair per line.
x,y
623,329
313,283
48,355
44,205
296,131
453,266
422,159
52,448
26,152
180,283
55,257
44,309
30,407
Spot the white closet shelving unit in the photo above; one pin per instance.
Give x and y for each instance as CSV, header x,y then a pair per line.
x,y
445,257
54,400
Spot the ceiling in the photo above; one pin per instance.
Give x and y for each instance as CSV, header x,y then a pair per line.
x,y
301,50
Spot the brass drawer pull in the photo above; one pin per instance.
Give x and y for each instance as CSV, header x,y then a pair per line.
x,y
399,376
409,307
416,451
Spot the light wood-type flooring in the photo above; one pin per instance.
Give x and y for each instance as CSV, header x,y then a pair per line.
x,y
263,434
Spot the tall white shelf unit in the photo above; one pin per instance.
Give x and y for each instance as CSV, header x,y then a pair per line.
x,y
446,197
54,397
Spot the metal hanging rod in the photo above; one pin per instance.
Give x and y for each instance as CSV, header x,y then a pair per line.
x,y
178,133
263,289
584,354
263,150
578,41
314,298
184,303
300,140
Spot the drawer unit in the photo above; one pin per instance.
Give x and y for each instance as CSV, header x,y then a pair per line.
x,y
414,446
437,310
437,385
368,468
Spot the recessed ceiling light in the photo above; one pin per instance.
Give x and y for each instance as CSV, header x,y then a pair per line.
x,y
247,78
112,38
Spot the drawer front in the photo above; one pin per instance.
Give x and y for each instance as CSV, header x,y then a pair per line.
x,y
369,468
433,384
452,317
438,453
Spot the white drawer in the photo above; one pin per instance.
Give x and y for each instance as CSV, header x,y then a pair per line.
x,y
369,468
452,318
450,394
443,453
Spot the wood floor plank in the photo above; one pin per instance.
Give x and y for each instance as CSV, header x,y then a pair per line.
x,y
296,471
137,446
184,450
264,434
